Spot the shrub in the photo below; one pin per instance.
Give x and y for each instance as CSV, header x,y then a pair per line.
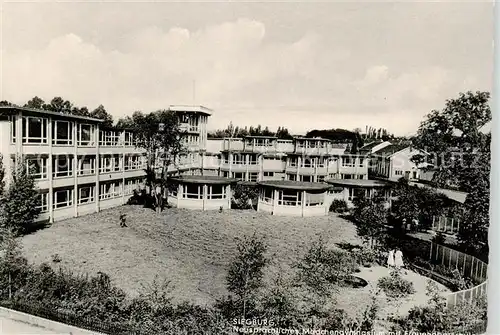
x,y
322,268
339,206
439,238
395,286
367,257
243,196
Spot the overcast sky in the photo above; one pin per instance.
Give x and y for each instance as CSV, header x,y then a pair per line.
x,y
299,65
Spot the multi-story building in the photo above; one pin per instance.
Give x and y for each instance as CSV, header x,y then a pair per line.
x,y
260,158
394,161
79,166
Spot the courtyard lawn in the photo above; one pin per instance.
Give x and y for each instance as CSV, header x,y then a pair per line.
x,y
190,248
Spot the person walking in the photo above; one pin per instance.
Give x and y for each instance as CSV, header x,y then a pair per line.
x,y
398,259
390,259
158,197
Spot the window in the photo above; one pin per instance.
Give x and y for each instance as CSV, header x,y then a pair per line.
x,y
307,162
307,179
314,199
63,166
86,134
109,138
321,179
398,172
361,162
238,175
134,162
356,193
63,198
43,204
238,159
225,159
225,174
116,163
12,119
292,177
34,130
110,190
321,162
253,176
62,133
347,176
217,192
292,162
86,165
37,167
192,191
131,185
86,194
348,161
129,138
267,195
289,198
252,159
268,174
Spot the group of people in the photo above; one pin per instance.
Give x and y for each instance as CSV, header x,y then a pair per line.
x,y
395,259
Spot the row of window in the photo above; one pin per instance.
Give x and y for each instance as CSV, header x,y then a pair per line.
x,y
86,165
292,197
34,130
241,159
196,191
65,197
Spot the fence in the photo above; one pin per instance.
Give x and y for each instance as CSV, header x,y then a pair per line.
x,y
469,267
445,224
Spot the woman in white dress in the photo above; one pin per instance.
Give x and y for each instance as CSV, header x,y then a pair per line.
x,y
390,259
398,259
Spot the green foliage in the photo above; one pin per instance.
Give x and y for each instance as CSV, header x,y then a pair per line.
x,y
236,131
243,196
21,200
2,178
339,206
245,273
322,269
396,286
365,256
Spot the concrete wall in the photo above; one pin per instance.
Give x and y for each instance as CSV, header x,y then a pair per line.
x,y
56,327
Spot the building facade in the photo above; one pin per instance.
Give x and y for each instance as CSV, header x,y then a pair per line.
x,y
80,167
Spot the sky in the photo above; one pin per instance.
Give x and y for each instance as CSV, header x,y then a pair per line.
x,y
302,65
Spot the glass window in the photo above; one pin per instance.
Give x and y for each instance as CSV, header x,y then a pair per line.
x,y
34,130
86,165
253,176
217,192
289,198
63,198
37,167
43,204
314,199
110,190
192,191
86,194
63,166
85,134
62,133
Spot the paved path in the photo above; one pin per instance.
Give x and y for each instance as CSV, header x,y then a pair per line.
x,y
11,327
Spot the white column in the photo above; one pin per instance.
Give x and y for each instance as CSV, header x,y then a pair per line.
x,y
275,199
75,169
303,202
50,172
98,158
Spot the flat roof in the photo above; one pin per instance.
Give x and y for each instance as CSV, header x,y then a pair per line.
x,y
191,108
312,139
46,112
359,182
295,185
211,180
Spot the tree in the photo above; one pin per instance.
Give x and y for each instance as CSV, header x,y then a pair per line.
x,y
35,103
2,178
245,275
370,219
59,105
6,103
20,209
101,113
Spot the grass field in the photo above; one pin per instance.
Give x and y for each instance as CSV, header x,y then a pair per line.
x,y
192,249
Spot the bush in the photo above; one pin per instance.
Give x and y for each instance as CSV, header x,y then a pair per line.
x,y
243,196
395,286
365,256
339,206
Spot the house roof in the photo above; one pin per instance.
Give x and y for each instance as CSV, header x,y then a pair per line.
x,y
7,109
191,108
295,185
368,147
358,182
391,149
